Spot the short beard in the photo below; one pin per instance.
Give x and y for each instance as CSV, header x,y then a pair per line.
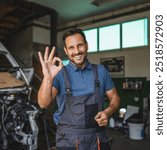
x,y
81,64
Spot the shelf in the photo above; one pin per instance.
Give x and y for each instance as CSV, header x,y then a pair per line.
x,y
132,89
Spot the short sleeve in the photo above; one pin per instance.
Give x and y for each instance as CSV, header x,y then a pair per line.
x,y
56,83
106,77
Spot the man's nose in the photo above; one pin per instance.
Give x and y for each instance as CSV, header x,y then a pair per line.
x,y
76,50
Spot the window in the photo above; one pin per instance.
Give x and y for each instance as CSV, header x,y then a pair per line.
x,y
109,37
91,36
135,33
123,35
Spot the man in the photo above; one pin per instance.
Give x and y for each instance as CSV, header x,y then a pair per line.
x,y
79,88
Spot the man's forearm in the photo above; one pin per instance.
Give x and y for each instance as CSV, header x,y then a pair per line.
x,y
45,93
113,106
110,110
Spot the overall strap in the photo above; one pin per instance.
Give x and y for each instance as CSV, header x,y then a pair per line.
x,y
96,77
67,81
97,87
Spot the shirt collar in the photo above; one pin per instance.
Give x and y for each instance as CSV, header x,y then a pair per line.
x,y
87,65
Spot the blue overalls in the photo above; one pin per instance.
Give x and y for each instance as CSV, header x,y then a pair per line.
x,y
77,128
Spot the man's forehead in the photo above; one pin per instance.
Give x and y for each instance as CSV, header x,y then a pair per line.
x,y
74,39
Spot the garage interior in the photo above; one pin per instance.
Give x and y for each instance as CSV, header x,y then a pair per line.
x,y
27,26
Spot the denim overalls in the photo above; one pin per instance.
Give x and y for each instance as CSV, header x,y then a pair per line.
x,y
77,128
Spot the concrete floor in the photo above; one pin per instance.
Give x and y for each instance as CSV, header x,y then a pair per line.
x,y
121,141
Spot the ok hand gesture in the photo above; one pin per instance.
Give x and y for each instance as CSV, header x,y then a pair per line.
x,y
48,63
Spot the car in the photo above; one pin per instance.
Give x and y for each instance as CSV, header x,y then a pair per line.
x,y
17,112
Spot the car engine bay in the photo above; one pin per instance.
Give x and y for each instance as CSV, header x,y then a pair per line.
x,y
17,112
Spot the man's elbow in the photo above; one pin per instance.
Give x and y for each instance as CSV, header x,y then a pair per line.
x,y
42,103
118,100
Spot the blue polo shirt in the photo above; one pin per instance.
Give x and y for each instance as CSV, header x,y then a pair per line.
x,y
82,83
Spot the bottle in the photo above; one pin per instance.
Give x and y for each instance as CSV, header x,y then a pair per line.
x,y
140,84
126,84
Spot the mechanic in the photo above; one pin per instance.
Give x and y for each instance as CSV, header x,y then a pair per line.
x,y
79,88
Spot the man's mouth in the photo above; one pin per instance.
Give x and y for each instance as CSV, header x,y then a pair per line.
x,y
78,57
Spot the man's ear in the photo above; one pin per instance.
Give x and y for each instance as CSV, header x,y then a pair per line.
x,y
65,50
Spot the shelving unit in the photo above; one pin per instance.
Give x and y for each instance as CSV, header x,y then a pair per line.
x,y
128,94
132,85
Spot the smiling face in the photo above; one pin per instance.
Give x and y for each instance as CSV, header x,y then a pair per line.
x,y
76,49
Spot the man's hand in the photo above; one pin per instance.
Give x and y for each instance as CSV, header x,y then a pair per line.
x,y
48,63
102,118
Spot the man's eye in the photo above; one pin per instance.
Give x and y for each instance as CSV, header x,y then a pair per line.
x,y
71,48
80,45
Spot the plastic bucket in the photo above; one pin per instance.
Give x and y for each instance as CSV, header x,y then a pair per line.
x,y
136,131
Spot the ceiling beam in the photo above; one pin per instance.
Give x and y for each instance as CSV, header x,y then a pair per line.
x,y
16,13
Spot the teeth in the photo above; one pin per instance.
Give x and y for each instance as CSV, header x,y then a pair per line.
x,y
78,57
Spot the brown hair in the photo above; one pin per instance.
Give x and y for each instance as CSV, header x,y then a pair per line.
x,y
72,32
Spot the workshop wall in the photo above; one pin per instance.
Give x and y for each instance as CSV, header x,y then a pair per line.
x,y
32,38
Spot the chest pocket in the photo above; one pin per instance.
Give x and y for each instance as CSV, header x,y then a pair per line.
x,y
82,110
